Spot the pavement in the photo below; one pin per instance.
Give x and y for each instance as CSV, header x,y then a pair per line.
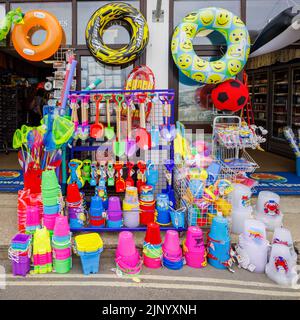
x,y
161,284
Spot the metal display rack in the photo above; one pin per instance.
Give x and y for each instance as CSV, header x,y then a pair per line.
x,y
87,149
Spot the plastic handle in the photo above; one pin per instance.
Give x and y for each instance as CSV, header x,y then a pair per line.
x,y
141,97
98,99
107,98
119,98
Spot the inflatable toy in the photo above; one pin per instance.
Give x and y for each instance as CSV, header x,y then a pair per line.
x,y
204,71
131,19
203,96
140,78
279,33
231,95
13,16
33,21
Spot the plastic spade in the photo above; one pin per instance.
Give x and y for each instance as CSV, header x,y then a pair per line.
x,y
141,176
120,183
130,143
84,128
154,130
167,131
97,129
143,138
129,181
119,146
109,131
169,164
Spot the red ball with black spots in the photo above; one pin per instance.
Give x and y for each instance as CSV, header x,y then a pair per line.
x,y
231,95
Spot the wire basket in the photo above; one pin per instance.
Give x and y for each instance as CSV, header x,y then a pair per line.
x,y
201,210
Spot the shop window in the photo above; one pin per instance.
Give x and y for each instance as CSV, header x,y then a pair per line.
x,y
112,77
259,13
183,7
2,15
62,11
115,34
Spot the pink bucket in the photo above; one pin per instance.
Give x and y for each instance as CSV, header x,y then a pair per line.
x,y
42,259
195,259
126,244
49,221
171,244
61,227
152,263
131,261
62,254
194,239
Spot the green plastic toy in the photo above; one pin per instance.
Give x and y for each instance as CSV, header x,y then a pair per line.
x,y
14,16
86,170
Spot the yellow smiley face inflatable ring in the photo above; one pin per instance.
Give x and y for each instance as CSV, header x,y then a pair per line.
x,y
201,70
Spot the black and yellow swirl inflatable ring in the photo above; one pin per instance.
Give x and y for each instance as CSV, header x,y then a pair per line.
x,y
127,16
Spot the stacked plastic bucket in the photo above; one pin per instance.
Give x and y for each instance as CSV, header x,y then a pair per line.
x,y
152,248
96,212
163,217
128,260
147,205
218,243
89,247
75,204
51,194
23,203
42,252
172,252
114,213
194,249
61,245
19,254
33,220
131,208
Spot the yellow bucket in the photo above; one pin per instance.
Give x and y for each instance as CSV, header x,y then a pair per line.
x,y
89,242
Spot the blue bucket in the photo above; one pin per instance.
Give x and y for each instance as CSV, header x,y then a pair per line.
x,y
90,261
178,218
75,223
173,265
114,224
96,203
221,253
163,217
220,229
51,209
152,176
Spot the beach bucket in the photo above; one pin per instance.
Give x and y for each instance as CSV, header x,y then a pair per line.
x,y
283,236
152,263
162,202
130,206
20,265
264,197
97,222
173,265
163,217
171,246
219,254
241,197
131,219
178,217
254,229
115,215
194,239
152,176
51,193
73,193
147,194
153,234
61,227
62,254
96,205
88,242
196,259
49,180
51,209
90,261
114,204
131,260
281,267
114,224
53,201
32,216
75,223
62,266
147,216
219,229
126,245
131,195
21,242
254,253
239,216
49,221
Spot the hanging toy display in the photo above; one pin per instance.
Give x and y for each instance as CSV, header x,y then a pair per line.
x,y
94,174
169,165
141,176
130,172
110,174
86,171
152,174
133,21
120,182
75,166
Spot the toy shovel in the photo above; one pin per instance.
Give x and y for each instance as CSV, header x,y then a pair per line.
x,y
143,138
154,130
119,146
97,129
109,131
84,128
167,131
130,143
169,165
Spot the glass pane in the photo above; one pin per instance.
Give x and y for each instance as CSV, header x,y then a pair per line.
x,y
296,101
112,77
258,86
193,105
280,102
62,11
182,8
114,35
259,13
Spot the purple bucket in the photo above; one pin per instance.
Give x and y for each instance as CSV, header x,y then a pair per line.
x,y
22,267
114,216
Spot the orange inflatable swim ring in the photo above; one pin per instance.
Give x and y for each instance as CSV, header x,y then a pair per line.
x,y
36,20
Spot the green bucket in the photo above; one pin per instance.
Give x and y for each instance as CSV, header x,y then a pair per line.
x,y
64,245
49,202
62,266
49,180
51,193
